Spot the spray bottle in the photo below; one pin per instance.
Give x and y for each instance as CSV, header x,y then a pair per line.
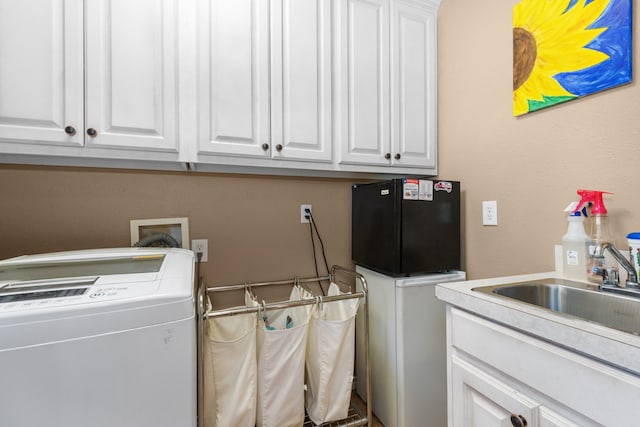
x,y
599,231
575,245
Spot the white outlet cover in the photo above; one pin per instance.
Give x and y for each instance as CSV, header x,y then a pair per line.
x,y
304,220
201,245
490,212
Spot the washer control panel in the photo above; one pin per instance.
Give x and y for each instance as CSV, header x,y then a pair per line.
x,y
50,298
30,296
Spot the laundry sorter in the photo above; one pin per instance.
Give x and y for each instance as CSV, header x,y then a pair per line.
x,y
98,338
256,345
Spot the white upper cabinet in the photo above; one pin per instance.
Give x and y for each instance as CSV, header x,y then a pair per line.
x,y
41,73
131,77
387,74
301,79
264,79
288,86
233,76
414,86
363,76
76,80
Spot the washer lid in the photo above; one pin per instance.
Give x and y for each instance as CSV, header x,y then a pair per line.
x,y
40,277
39,269
43,287
72,294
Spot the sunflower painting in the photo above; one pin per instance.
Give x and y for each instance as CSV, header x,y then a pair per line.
x,y
566,49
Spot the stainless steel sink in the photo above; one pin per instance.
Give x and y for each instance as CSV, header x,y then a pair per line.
x,y
574,299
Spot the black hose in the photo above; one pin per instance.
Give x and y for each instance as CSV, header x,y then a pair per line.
x,y
165,239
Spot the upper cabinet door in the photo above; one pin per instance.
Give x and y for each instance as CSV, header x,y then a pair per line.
x,y
301,122
131,74
414,85
363,80
233,77
41,73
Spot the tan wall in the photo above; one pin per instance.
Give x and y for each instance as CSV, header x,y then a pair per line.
x,y
252,222
531,165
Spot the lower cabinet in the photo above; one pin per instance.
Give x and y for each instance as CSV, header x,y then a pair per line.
x,y
498,376
486,401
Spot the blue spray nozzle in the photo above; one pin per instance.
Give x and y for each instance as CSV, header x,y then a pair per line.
x,y
576,212
582,212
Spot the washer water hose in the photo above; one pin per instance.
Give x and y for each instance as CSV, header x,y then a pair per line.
x,y
165,240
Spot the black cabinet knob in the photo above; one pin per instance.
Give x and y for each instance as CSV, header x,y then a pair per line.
x,y
279,147
265,146
92,132
70,130
518,420
387,156
397,156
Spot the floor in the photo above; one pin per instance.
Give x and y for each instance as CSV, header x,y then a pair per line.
x,y
357,411
357,402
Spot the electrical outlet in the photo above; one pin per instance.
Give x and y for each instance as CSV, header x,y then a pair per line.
x,y
304,217
490,212
202,246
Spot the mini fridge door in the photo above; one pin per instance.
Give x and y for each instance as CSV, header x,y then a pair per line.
x,y
376,226
401,231
430,233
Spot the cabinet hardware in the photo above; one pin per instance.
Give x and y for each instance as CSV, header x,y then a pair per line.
x,y
92,132
70,130
265,146
279,147
518,420
387,156
397,156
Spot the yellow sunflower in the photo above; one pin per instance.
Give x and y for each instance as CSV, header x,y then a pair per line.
x,y
549,39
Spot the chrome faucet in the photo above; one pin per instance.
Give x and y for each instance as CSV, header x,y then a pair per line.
x,y
632,279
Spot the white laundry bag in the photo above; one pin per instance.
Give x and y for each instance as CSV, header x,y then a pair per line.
x,y
230,370
330,359
282,341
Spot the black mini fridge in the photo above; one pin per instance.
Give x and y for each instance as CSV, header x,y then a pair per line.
x,y
408,226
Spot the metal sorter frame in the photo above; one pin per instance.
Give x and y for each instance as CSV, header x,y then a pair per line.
x,y
355,418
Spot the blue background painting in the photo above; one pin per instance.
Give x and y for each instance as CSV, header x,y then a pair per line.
x,y
615,42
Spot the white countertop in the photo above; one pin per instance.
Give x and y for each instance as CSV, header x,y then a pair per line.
x,y
609,345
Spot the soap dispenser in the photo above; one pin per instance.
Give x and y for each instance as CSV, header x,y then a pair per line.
x,y
575,245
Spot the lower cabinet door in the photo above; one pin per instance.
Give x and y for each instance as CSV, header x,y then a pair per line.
x,y
479,400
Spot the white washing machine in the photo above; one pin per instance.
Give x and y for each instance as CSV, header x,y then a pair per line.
x,y
99,338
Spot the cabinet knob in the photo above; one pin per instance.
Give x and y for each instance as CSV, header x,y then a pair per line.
x,y
387,156
279,147
397,156
92,132
70,130
265,146
518,420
